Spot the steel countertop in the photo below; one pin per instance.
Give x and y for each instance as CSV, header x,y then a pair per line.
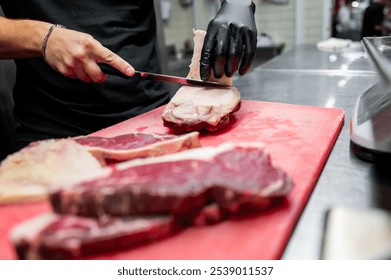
x,y
309,58
308,76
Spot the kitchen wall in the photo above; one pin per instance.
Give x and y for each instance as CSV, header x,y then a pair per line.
x,y
179,26
279,21
315,19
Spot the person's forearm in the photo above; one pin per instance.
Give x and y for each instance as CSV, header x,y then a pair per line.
x,y
21,38
72,53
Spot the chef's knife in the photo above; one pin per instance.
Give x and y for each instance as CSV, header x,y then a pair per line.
x,y
108,69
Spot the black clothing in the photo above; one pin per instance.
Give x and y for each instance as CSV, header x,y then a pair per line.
x,y
50,105
7,124
373,16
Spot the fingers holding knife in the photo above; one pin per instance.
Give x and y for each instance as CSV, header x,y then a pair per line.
x,y
114,60
76,55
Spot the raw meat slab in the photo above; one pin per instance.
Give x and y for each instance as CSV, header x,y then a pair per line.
x,y
299,139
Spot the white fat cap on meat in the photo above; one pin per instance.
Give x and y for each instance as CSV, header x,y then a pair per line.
x,y
194,72
44,164
29,230
202,153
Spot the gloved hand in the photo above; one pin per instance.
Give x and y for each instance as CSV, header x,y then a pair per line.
x,y
231,39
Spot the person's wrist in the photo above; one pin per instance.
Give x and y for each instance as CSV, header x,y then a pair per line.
x,y
46,39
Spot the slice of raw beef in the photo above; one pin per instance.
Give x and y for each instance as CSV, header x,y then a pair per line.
x,y
231,176
27,174
52,236
137,145
201,108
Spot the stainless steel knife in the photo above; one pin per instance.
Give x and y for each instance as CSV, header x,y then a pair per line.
x,y
108,69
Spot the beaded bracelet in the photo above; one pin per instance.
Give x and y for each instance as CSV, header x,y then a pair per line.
x,y
46,38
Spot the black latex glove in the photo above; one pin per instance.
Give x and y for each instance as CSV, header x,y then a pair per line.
x,y
231,39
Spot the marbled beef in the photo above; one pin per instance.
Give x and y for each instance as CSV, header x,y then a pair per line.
x,y
182,184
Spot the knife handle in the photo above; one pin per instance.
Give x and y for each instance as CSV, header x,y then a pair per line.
x,y
110,70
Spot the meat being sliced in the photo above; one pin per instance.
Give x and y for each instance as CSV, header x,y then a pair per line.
x,y
201,108
52,236
230,175
137,145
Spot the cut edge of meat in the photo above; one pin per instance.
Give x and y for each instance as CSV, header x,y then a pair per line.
x,y
183,126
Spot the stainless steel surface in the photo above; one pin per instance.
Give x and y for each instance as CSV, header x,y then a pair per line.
x,y
307,58
345,180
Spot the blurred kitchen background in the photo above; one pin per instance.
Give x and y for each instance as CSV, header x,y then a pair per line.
x,y
282,25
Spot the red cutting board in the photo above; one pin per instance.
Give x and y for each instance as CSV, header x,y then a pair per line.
x,y
299,140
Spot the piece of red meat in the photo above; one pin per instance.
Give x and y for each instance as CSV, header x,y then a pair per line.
x,y
182,184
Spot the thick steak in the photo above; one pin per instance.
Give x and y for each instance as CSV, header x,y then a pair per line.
x,y
182,184
201,108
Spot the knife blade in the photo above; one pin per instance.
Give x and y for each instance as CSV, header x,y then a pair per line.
x,y
108,69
